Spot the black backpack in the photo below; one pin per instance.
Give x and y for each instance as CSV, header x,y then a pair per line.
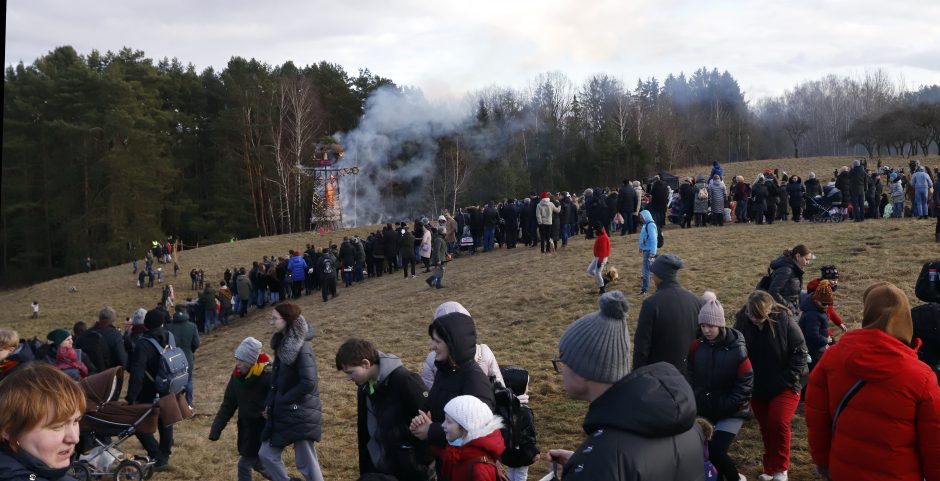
x,y
172,368
94,344
518,426
764,283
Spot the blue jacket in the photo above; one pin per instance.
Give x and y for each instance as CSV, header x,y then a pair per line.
x,y
815,325
649,233
920,180
716,169
297,266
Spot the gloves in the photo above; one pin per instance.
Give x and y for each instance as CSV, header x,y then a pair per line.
x,y
213,436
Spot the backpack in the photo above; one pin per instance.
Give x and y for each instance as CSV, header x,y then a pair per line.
x,y
702,194
518,428
764,284
172,368
93,343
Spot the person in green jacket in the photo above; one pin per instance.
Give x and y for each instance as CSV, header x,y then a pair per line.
x,y
187,338
438,258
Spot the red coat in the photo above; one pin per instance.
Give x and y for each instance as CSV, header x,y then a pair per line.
x,y
462,463
891,428
602,245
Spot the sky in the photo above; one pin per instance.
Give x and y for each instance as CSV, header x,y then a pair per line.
x,y
448,48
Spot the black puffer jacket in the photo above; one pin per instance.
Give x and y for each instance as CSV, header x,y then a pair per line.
x,y
643,427
395,399
457,376
247,396
144,362
293,402
926,318
778,355
721,376
786,282
22,467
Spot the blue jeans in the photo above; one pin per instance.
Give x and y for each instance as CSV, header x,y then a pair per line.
x,y
565,234
259,297
647,262
740,210
211,319
189,387
858,206
275,296
488,237
919,209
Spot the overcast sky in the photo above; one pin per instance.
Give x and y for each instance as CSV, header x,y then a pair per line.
x,y
448,47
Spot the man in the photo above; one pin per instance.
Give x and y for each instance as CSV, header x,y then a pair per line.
x,y
509,213
922,184
186,336
326,269
639,425
626,203
490,219
648,245
858,187
687,197
243,289
659,199
297,268
141,389
388,395
668,319
104,343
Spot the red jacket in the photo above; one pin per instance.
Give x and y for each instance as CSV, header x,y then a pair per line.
x,y
602,245
891,428
464,463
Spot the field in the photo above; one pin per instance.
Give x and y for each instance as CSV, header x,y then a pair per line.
x,y
522,302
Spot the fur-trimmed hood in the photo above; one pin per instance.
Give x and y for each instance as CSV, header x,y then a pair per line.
x,y
293,341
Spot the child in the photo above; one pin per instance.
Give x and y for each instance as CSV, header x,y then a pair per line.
x,y
707,431
35,308
519,460
246,392
474,441
159,275
830,273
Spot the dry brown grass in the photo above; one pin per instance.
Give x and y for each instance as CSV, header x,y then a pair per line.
x,y
522,302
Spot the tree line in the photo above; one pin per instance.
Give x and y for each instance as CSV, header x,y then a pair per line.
x,y
104,152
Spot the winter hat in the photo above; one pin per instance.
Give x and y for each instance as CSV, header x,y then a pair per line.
x,y
856,163
441,218
829,272
597,346
138,318
57,336
887,308
711,313
894,175
249,350
812,175
449,307
666,267
823,293
155,318
544,195
473,416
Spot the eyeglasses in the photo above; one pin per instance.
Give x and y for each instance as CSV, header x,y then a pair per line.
x,y
557,364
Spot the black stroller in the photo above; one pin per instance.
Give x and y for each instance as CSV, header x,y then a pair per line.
x,y
107,423
826,208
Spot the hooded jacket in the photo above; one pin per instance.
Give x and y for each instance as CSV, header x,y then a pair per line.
x,y
667,325
406,246
814,322
891,428
701,206
649,233
20,356
721,376
243,286
786,282
463,463
297,267
602,245
458,375
385,410
186,336
247,396
293,402
643,427
777,355
544,211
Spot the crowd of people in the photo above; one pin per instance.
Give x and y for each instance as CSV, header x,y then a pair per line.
x,y
660,407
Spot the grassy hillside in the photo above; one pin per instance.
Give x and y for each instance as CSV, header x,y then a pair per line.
x,y
521,300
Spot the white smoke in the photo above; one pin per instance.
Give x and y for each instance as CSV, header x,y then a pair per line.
x,y
395,147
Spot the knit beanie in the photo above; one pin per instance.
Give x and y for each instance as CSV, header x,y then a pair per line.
x,y
249,350
829,272
823,293
711,313
666,267
138,318
473,416
597,346
544,195
57,336
154,318
449,307
887,308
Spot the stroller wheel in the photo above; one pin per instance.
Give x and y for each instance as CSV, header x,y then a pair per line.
x,y
837,217
128,471
80,471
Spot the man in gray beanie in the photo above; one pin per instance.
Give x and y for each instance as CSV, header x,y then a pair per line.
x,y
668,319
640,424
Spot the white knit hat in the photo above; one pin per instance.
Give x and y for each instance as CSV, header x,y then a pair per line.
x,y
138,317
473,416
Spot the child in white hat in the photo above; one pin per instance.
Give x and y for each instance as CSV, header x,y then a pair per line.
x,y
474,441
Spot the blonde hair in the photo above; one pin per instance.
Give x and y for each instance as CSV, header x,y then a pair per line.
x,y
35,394
9,339
761,305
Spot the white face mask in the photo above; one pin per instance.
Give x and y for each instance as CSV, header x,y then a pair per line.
x,y
457,442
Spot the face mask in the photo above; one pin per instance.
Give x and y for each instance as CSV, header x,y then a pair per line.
x,y
457,442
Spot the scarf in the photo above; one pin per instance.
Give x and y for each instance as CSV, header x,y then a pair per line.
x,y
254,373
6,366
67,358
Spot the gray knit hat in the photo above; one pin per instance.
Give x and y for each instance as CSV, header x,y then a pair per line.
x,y
249,350
711,313
666,267
597,346
138,317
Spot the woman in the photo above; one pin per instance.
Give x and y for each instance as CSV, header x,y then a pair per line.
x,y
721,377
717,193
292,409
425,249
63,355
701,201
601,254
453,340
890,427
786,277
483,356
777,353
41,408
795,192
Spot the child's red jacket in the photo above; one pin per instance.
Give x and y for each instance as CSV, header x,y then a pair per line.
x,y
465,463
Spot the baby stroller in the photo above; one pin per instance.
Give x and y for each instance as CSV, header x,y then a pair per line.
x,y
107,423
825,209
